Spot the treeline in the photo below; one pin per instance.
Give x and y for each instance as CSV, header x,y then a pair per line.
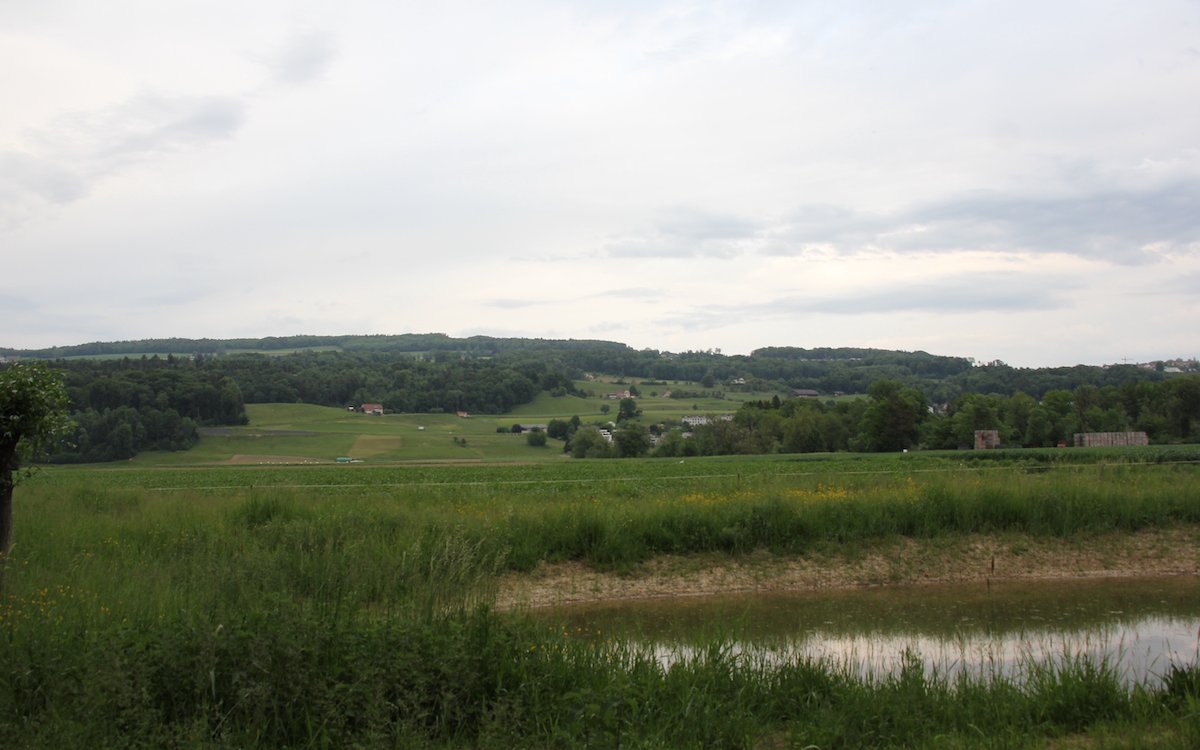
x,y
122,407
898,417
415,343
828,370
401,384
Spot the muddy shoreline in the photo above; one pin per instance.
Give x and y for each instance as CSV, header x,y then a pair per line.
x,y
898,562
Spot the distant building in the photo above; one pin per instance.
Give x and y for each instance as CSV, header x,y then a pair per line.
x,y
985,439
620,394
695,420
805,393
461,414
371,408
1110,439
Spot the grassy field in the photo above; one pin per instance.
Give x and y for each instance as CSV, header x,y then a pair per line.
x,y
348,605
301,433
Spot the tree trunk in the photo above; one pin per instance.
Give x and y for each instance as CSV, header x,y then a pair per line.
x,y
6,526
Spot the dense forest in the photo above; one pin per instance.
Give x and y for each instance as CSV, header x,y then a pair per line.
x,y
120,408
156,394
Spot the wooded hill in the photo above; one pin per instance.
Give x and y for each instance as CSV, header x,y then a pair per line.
x,y
826,370
137,395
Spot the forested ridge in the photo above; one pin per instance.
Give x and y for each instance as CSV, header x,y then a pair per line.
x,y
155,394
825,369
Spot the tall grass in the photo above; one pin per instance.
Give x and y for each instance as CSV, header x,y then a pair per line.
x,y
386,532
795,516
338,616
282,676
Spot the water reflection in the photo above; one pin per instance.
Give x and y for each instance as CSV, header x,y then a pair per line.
x,y
1140,627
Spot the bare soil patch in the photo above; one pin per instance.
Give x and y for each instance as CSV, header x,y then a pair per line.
x,y
247,458
1158,552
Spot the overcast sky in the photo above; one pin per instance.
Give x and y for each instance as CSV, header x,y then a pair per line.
x,y
1000,180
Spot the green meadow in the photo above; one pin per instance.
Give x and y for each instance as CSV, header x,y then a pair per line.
x,y
280,434
327,605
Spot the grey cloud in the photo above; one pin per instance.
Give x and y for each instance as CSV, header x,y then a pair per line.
x,y
996,292
179,291
1183,284
1114,225
24,173
701,226
78,150
28,182
686,233
961,294
642,292
304,58
510,303
607,328
150,125
11,302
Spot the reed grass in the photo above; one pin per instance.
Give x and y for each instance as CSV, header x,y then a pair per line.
x,y
280,675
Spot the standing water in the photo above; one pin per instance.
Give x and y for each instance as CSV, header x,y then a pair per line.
x,y
1139,627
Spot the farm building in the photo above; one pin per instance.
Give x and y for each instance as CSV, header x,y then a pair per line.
x,y
371,408
1110,439
985,439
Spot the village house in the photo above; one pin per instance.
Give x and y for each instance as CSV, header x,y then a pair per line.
x,y
376,409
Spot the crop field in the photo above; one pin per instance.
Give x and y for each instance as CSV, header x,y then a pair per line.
x,y
336,605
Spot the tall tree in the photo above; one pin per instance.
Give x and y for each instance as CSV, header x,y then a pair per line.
x,y
892,420
33,409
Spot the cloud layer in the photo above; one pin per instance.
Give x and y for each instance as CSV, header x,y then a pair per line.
x,y
999,180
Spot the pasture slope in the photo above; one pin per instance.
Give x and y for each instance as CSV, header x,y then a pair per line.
x,y
283,434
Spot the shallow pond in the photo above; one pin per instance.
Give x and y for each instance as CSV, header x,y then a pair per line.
x,y
1139,627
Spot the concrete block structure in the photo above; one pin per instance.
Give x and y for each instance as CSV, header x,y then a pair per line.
x,y
985,439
